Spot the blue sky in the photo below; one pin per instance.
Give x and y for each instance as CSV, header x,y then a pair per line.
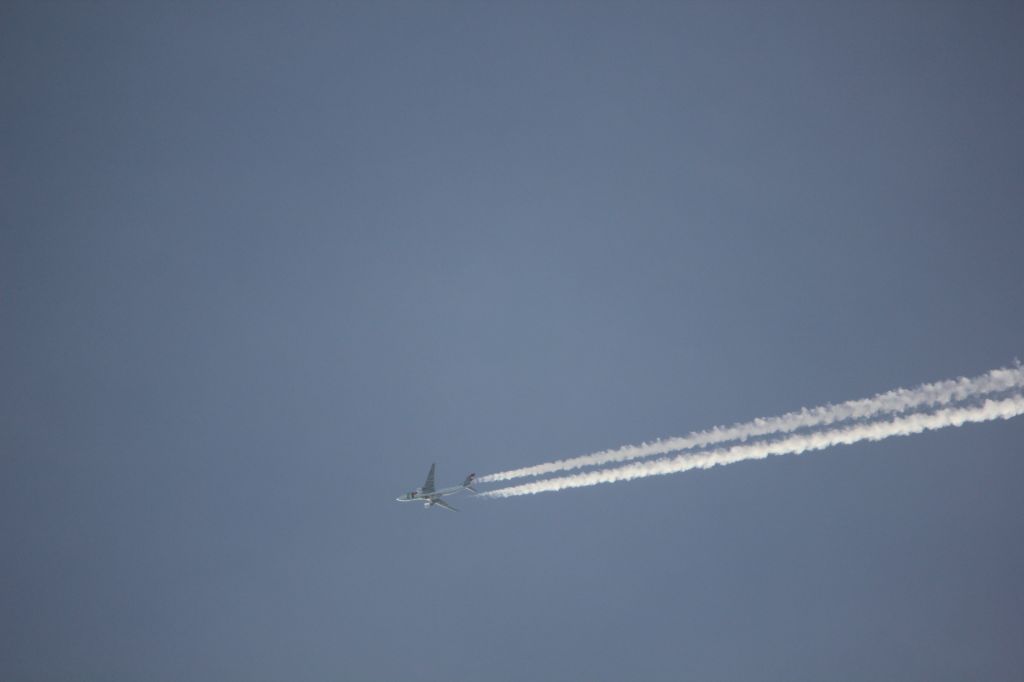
x,y
260,265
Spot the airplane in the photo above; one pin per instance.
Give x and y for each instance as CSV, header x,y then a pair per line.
x,y
432,497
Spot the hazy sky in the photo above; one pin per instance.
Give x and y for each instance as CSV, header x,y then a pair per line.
x,y
261,264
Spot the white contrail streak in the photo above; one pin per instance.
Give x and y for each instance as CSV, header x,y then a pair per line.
x,y
896,401
791,445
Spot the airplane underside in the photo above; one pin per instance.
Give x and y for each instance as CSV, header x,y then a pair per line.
x,y
431,496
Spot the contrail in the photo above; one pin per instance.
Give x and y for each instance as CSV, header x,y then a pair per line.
x,y
791,445
892,402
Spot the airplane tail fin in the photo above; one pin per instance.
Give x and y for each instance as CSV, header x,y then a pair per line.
x,y
468,483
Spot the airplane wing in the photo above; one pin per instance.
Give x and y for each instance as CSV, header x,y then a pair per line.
x,y
444,504
428,487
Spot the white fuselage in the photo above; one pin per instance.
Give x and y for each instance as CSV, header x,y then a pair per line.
x,y
420,496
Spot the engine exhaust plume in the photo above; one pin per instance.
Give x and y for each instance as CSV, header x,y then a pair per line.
x,y
897,401
791,445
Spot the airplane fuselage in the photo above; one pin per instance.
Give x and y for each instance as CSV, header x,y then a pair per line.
x,y
431,497
422,496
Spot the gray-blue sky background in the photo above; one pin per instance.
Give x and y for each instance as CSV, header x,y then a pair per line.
x,y
262,264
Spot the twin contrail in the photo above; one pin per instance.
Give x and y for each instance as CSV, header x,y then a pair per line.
x,y
893,402
867,427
